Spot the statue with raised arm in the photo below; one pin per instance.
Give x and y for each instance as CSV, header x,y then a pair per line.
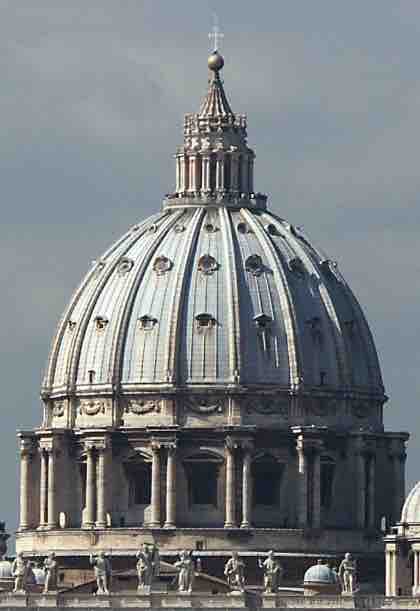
x,y
102,569
147,565
20,573
348,574
50,569
186,571
273,572
235,573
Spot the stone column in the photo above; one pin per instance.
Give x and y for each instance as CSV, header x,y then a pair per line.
x,y
178,174
416,572
90,487
43,488
251,174
246,487
230,517
361,488
155,494
192,174
182,174
205,173
316,474
398,457
25,483
220,173
101,487
52,513
371,492
244,186
302,504
170,521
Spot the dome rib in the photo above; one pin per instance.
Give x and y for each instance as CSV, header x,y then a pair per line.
x,y
233,295
293,340
75,350
120,335
174,338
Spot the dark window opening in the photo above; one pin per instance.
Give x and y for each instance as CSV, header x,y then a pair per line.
x,y
227,173
213,163
267,479
203,484
140,485
327,479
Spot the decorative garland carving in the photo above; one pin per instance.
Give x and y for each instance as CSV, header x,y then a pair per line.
x,y
268,406
92,407
58,409
204,405
139,407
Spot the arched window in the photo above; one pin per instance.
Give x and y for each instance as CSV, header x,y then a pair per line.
x,y
267,474
327,481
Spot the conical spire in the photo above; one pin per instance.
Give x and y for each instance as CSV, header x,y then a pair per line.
x,y
215,103
215,164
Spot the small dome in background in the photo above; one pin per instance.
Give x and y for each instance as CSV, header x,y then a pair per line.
x,y
411,510
320,573
5,569
38,575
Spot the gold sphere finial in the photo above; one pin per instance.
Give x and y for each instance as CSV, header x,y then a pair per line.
x,y
216,61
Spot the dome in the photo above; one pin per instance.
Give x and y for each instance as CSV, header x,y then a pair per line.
x,y
320,573
214,296
5,569
411,509
38,576
214,291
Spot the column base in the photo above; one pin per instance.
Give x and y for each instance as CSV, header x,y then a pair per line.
x,y
100,524
88,524
246,525
169,525
230,525
51,526
154,525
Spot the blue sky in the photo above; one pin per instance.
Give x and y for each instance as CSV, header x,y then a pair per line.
x,y
92,99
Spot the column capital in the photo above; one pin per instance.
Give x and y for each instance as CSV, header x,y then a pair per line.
x,y
27,447
232,443
98,443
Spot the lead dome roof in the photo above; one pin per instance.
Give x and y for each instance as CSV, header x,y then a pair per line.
x,y
214,290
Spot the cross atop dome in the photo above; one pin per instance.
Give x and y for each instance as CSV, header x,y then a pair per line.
x,y
216,34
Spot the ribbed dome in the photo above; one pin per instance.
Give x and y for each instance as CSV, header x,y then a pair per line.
x,y
214,291
214,296
320,573
411,509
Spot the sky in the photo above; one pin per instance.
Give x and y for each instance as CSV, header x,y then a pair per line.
x,y
92,98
